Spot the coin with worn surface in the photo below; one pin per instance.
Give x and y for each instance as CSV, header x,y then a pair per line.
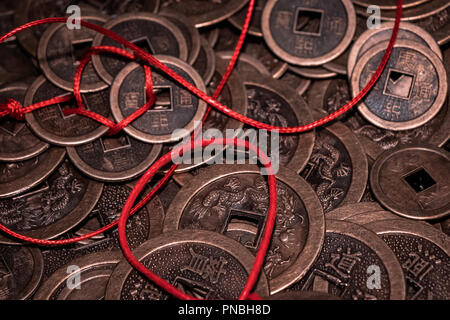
x,y
233,200
203,264
190,33
20,272
152,33
93,270
205,64
15,64
17,142
205,13
350,255
424,254
30,10
113,159
52,125
349,210
57,205
372,37
60,51
308,33
115,7
145,224
270,102
18,177
175,107
413,181
337,168
238,19
410,91
245,63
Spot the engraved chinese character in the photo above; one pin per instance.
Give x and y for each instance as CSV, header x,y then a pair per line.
x,y
185,98
336,25
304,45
343,262
406,59
425,91
131,100
206,267
417,266
391,111
283,19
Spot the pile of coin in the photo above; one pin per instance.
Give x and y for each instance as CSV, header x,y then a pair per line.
x,y
363,203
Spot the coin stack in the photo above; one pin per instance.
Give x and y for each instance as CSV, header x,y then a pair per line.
x,y
363,202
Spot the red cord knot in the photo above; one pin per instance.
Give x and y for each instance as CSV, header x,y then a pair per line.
x,y
13,108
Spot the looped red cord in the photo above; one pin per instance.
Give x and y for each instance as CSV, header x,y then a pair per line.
x,y
267,235
212,101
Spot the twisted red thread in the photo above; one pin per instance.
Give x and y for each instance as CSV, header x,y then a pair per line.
x,y
15,110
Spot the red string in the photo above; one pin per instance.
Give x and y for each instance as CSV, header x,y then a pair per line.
x,y
259,260
15,110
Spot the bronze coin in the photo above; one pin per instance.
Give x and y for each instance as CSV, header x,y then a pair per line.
x,y
344,266
413,181
233,200
93,271
20,272
204,264
423,253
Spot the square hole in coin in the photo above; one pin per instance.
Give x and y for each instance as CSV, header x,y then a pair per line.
x,y
144,44
164,99
79,49
308,21
120,141
247,222
399,84
420,180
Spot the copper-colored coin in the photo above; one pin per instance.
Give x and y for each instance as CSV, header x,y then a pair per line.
x,y
233,200
413,181
204,264
411,90
308,33
349,256
349,210
424,254
93,270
